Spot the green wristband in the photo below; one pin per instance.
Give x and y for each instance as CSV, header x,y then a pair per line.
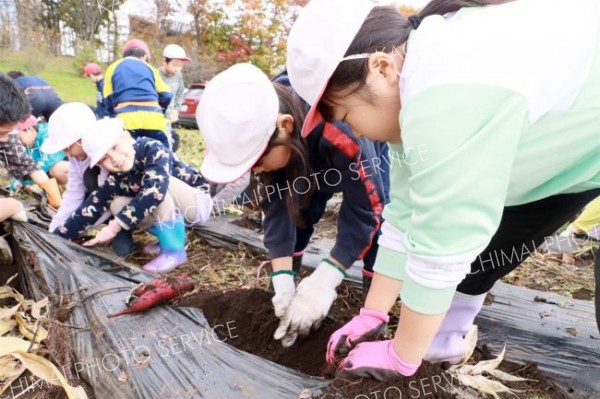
x,y
279,272
335,265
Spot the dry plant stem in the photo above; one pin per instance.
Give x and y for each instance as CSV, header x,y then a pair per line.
x,y
67,325
37,328
114,289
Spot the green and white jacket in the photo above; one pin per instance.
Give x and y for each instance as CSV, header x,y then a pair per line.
x,y
503,102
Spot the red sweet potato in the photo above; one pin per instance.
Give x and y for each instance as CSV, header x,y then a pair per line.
x,y
149,286
159,294
142,288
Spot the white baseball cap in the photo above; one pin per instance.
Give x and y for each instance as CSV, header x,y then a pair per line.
x,y
237,116
316,45
67,125
98,140
176,52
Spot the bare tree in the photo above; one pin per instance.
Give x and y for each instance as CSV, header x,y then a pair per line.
x,y
86,16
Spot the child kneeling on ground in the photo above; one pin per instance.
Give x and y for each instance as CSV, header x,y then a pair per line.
x,y
14,108
33,136
141,172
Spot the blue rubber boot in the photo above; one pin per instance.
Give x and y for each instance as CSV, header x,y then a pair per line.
x,y
171,240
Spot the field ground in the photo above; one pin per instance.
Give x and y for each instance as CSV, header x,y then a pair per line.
x,y
569,275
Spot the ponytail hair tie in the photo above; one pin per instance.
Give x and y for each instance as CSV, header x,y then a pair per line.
x,y
415,21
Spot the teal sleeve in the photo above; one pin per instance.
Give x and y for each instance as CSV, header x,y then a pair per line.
x,y
447,203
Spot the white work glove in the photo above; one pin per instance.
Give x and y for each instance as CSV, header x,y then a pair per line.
x,y
283,284
309,307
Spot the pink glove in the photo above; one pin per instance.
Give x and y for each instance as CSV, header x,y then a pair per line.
x,y
363,327
377,360
105,235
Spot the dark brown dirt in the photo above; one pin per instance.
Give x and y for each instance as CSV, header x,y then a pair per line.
x,y
250,220
252,309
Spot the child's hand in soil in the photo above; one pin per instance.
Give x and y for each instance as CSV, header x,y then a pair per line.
x,y
105,235
284,287
309,307
377,360
364,327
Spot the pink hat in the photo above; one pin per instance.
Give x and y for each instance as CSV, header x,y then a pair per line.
x,y
91,69
139,44
26,123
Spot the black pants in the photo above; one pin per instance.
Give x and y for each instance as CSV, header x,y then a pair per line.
x,y
44,102
176,140
522,229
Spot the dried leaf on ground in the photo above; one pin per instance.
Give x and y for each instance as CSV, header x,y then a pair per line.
x,y
46,371
26,319
472,376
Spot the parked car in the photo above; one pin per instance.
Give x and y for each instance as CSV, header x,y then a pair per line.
x,y
191,98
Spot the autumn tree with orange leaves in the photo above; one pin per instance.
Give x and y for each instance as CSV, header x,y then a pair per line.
x,y
235,31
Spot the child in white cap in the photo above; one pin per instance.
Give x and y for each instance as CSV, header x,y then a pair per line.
x,y
66,128
252,124
155,201
173,59
508,108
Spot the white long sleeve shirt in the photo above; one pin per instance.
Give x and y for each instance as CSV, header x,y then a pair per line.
x,y
74,194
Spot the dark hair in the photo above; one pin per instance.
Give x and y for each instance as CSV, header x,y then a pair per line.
x,y
167,59
14,106
298,166
384,29
134,52
15,74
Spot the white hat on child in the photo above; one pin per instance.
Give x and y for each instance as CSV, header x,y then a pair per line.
x,y
237,116
67,125
99,139
316,45
175,52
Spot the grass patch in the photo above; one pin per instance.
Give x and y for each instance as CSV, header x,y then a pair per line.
x,y
191,147
58,72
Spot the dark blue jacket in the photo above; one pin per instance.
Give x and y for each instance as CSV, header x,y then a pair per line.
x,y
31,81
101,104
358,168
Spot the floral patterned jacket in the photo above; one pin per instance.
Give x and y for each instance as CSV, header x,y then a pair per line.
x,y
16,158
147,182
